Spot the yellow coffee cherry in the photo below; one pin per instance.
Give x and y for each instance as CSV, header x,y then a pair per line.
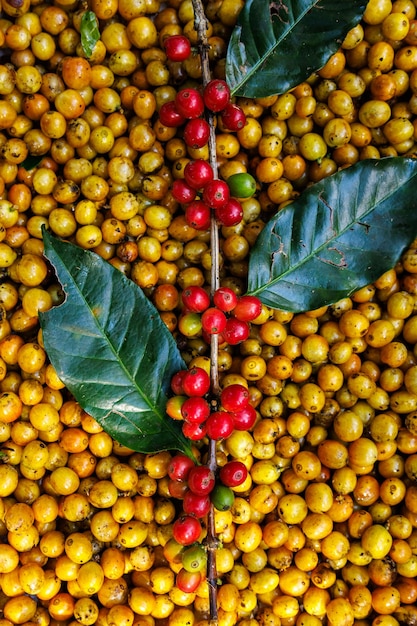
x,y
377,541
78,548
90,577
248,536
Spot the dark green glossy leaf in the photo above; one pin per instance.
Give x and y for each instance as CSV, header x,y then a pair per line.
x,y
90,33
277,44
339,235
31,162
111,349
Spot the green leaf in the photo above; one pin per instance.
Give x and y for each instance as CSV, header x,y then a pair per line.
x,y
112,350
90,33
277,44
339,235
31,162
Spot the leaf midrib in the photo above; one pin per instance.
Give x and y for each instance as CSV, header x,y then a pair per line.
x,y
270,50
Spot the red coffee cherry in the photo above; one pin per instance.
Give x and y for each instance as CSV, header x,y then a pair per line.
x,y
220,425
232,117
194,432
195,410
169,115
196,133
236,331
195,299
225,299
196,382
180,466
245,418
230,214
233,473
247,309
182,192
213,321
194,504
188,582
234,397
216,194
177,47
201,480
189,103
176,382
198,173
198,215
186,529
216,95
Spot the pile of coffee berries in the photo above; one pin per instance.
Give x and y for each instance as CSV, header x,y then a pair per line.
x,y
323,531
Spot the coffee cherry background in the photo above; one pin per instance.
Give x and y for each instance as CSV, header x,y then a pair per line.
x,y
322,528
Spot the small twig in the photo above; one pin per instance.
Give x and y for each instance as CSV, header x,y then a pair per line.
x,y
200,25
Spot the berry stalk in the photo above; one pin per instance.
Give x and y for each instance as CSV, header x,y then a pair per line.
x,y
200,24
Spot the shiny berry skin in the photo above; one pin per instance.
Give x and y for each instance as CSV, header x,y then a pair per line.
x,y
241,185
196,133
194,432
222,498
216,194
234,397
198,173
189,324
173,406
233,118
230,214
216,95
189,103
198,215
225,299
245,418
188,582
180,466
176,382
173,551
233,473
213,321
182,192
195,410
201,480
219,425
177,488
195,299
186,529
247,309
236,331
194,559
169,115
196,382
194,504
177,47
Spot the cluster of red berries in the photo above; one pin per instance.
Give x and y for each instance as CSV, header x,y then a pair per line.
x,y
199,191
229,316
226,315
191,404
197,487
